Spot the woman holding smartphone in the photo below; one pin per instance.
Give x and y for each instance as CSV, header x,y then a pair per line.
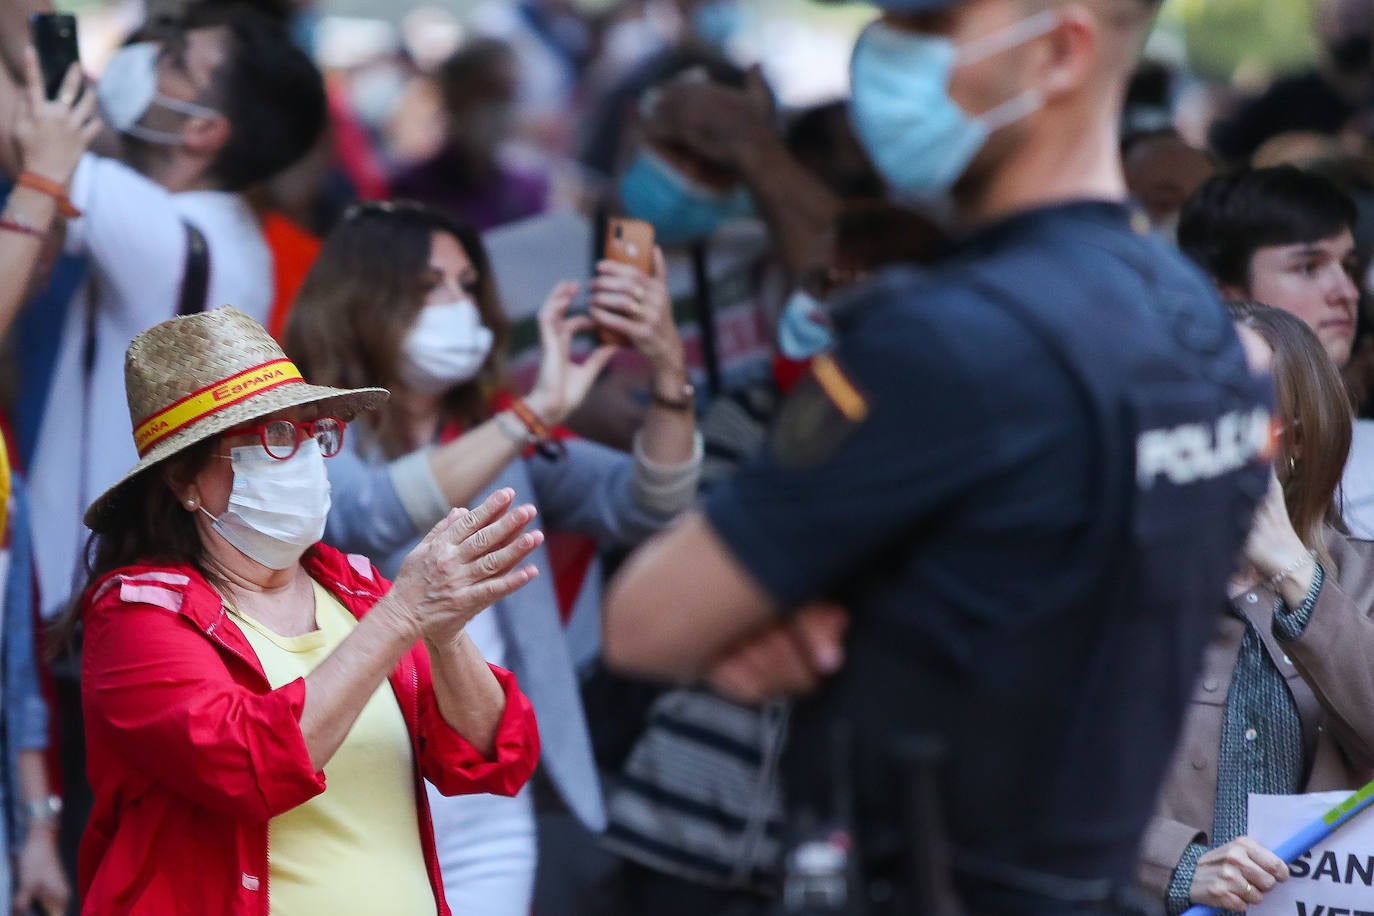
x,y
403,295
52,135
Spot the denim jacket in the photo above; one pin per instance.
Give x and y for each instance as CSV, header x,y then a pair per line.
x,y
25,710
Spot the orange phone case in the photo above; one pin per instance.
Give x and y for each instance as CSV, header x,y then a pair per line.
x,y
628,241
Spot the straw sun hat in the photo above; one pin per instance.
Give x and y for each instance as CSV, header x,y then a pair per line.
x,y
197,376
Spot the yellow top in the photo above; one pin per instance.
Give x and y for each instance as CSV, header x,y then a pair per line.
x,y
355,848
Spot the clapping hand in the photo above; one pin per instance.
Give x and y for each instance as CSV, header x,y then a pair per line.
x,y
466,563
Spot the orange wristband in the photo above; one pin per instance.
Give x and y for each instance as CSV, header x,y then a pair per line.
x,y
545,443
35,182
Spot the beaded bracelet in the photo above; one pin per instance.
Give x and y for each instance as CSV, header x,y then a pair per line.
x,y
545,443
514,430
1277,579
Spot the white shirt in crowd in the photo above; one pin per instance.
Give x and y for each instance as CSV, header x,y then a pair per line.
x,y
486,844
133,236
1357,484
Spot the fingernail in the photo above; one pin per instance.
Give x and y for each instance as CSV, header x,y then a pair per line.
x,y
828,658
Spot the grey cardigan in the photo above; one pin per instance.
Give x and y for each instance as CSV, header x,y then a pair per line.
x,y
382,509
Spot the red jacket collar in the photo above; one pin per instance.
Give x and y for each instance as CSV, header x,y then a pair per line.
x,y
349,577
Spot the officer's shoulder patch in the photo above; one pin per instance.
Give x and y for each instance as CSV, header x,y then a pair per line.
x,y
822,412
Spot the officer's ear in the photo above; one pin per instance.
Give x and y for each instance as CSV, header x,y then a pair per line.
x,y
1072,61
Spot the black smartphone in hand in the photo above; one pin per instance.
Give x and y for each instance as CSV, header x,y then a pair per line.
x,y
54,38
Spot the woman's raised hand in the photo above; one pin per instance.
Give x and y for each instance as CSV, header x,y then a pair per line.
x,y
53,135
1273,544
631,303
563,384
467,562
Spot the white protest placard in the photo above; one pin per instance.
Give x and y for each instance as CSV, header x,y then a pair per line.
x,y
1336,878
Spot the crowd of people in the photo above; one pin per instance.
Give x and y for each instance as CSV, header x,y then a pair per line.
x,y
336,579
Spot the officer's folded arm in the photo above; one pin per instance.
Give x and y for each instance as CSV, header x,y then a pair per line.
x,y
668,617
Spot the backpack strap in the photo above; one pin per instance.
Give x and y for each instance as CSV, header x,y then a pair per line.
x,y
195,281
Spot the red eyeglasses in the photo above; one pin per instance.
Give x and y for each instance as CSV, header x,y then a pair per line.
x,y
282,438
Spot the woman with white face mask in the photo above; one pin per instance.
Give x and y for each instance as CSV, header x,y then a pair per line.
x,y
403,294
260,708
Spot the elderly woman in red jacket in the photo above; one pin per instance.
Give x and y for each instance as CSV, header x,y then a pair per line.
x,y
261,709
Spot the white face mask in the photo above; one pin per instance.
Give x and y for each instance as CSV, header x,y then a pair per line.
x,y
447,346
128,88
277,509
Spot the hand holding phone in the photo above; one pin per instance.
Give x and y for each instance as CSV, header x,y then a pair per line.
x,y
54,38
53,131
628,241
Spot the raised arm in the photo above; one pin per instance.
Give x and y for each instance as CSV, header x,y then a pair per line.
x,y
378,510
1333,647
50,138
734,128
680,603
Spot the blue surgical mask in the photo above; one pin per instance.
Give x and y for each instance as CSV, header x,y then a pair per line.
x,y
717,21
919,138
680,210
804,328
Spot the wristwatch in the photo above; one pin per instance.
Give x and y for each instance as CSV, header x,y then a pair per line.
x,y
45,810
685,399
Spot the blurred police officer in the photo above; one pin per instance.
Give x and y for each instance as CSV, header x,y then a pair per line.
x,y
1025,470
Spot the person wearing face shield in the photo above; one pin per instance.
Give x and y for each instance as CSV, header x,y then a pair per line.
x,y
1025,470
1322,100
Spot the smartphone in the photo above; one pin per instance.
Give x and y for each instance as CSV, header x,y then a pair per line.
x,y
629,241
54,38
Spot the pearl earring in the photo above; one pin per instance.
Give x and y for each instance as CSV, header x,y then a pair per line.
x,y
190,503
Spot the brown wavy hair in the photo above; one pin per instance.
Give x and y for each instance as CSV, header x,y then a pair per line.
x,y
1314,409
365,291
151,527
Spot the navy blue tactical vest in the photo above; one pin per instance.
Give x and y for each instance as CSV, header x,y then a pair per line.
x,y
1059,724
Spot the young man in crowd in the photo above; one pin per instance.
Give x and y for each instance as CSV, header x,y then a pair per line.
x,y
205,106
1284,237
961,475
